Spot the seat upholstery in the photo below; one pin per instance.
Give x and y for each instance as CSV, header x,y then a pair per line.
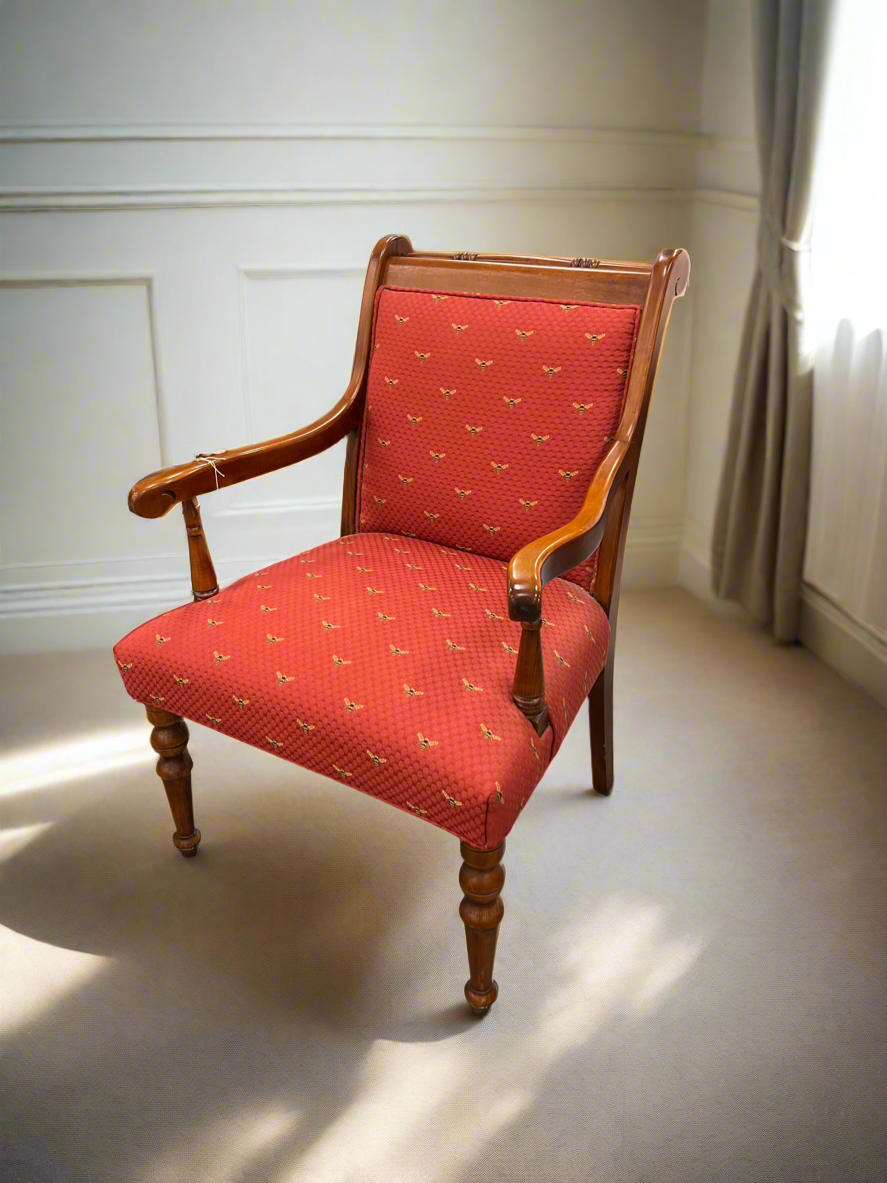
x,y
487,418
381,661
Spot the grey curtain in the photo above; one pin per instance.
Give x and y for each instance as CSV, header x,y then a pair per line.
x,y
761,518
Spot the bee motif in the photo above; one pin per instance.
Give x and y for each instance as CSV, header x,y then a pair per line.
x,y
126,666
282,679
484,365
161,640
392,381
415,808
546,623
273,640
267,586
215,600
459,567
405,480
492,615
265,608
527,505
472,431
422,356
306,727
508,648
337,661
240,702
432,517
491,530
524,333
412,567
621,373
220,657
562,660
539,440
501,303
351,707
498,468
377,760
437,612
448,394
354,554
426,587
364,570
312,575
380,501
156,697
214,719
593,337
499,796
512,402
305,561
213,623
583,407
488,734
275,743
437,456
180,681
588,632
411,691
474,587
396,652
459,328
401,320
574,599
470,686
382,616
341,771
383,443
398,551
319,599
569,307
414,419
462,493
374,591
451,801
568,476
454,648
551,370
425,742
608,439
327,626
437,299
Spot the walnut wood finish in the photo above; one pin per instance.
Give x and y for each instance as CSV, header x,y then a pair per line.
x,y
529,676
170,740
481,878
204,584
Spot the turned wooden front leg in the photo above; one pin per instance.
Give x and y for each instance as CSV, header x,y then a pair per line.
x,y
170,740
481,878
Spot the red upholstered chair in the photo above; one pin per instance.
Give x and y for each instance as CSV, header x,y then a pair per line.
x,y
494,420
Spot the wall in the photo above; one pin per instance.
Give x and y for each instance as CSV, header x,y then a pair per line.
x,y
188,196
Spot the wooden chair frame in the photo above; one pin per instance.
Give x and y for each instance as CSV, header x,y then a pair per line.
x,y
601,522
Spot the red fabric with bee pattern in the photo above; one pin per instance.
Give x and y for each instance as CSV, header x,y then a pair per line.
x,y
487,418
385,663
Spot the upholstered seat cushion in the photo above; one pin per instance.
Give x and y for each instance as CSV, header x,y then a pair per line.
x,y
383,662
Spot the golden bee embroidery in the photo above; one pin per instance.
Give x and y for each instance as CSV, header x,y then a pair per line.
x,y
180,681
470,686
508,648
380,501
567,476
392,381
437,299
282,679
319,599
472,431
511,402
501,303
215,600
337,661
156,698
459,567
422,356
398,551
491,530
396,652
341,771
383,443
425,742
561,660
451,801
474,587
213,623
432,517
551,370
161,640
274,640
527,505
412,567
214,719
126,666
426,587
415,808
524,333
459,328
533,748
267,586
414,419
265,608
437,612
608,439
575,599
454,648
484,365
351,707
447,393
621,373
374,591
583,407
220,657
594,337
462,493
377,760
327,626
569,307
240,702
405,480
382,616
499,796
539,440
364,570
312,575
588,632
275,743
306,727
547,623
401,320
498,468
354,554
437,456
488,734
411,691
493,615
303,561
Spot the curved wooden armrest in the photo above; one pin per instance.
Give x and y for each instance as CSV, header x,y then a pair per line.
x,y
156,494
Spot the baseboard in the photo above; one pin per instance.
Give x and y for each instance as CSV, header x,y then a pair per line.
x,y
844,643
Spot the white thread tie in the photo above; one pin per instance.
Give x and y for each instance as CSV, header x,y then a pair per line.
x,y
211,460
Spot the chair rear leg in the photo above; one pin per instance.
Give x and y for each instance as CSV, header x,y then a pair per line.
x,y
170,740
600,725
481,879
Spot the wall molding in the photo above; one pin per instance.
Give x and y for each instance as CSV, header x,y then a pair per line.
x,y
857,652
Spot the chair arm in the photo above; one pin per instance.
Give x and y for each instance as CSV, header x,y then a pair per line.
x,y
565,548
156,494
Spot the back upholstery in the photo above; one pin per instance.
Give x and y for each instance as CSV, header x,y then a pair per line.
x,y
486,418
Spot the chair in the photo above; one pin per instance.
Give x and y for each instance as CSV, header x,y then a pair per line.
x,y
494,421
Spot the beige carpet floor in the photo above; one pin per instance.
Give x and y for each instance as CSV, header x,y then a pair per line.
x,y
691,973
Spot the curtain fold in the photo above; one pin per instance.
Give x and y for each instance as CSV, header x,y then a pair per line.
x,y
760,521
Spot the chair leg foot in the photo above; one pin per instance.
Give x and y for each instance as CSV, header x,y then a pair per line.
x,y
600,724
481,878
170,740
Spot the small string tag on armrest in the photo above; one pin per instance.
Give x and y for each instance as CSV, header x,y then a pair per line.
x,y
211,460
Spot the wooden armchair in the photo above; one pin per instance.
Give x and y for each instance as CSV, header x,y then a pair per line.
x,y
494,420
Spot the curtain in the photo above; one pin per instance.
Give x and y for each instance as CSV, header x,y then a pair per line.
x,y
761,516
